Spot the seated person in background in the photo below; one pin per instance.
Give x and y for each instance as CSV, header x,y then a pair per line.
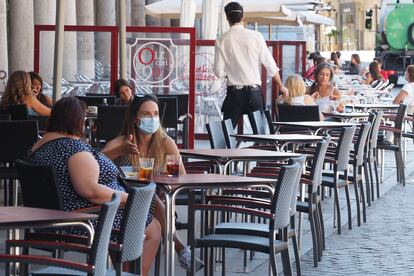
x,y
355,66
323,91
19,91
86,177
406,94
37,86
340,62
334,59
142,129
316,61
297,93
374,73
123,92
383,73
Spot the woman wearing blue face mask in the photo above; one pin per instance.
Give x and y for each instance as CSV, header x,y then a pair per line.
x,y
143,136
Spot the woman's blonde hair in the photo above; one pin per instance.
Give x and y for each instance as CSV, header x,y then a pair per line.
x,y
18,86
156,147
296,87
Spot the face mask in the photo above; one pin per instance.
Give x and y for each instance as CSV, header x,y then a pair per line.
x,y
149,125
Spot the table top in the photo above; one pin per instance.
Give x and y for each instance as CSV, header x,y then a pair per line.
x,y
25,217
248,154
374,105
314,124
347,114
202,181
279,137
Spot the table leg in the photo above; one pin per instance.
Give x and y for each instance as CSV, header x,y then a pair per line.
x,y
169,234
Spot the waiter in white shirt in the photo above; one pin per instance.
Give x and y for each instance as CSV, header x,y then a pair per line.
x,y
239,53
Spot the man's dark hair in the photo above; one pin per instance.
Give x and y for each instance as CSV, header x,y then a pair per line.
x,y
67,116
234,12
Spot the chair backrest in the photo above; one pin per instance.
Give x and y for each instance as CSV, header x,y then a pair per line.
x,y
168,107
301,161
399,119
359,146
344,147
297,113
5,117
16,139
97,100
110,121
228,130
133,222
40,186
258,122
375,83
317,163
18,111
216,135
375,120
282,196
99,250
269,119
42,121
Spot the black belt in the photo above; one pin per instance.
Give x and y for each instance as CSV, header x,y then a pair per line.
x,y
239,87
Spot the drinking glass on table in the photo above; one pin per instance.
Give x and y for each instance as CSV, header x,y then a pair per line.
x,y
146,168
173,165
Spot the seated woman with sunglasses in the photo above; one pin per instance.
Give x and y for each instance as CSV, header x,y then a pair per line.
x,y
86,177
143,136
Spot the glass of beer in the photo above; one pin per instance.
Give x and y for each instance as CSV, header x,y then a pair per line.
x,y
146,167
173,165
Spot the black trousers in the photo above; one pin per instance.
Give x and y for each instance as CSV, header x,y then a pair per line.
x,y
240,101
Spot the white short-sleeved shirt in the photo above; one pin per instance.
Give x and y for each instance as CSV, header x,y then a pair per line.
x,y
239,54
409,99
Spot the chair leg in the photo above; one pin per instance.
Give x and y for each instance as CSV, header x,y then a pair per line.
x,y
362,192
314,238
398,169
297,255
367,183
322,224
272,261
317,224
401,165
370,161
348,205
356,183
338,208
223,262
287,270
376,179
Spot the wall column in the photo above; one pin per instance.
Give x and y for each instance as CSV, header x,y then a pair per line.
x,y
21,35
4,62
86,43
105,16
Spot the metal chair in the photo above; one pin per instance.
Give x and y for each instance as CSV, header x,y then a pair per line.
x,y
258,122
216,135
97,253
16,140
278,218
297,113
396,146
109,122
340,161
371,156
228,130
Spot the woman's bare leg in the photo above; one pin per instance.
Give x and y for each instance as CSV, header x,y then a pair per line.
x,y
151,244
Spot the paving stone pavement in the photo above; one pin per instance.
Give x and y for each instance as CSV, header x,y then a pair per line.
x,y
382,246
